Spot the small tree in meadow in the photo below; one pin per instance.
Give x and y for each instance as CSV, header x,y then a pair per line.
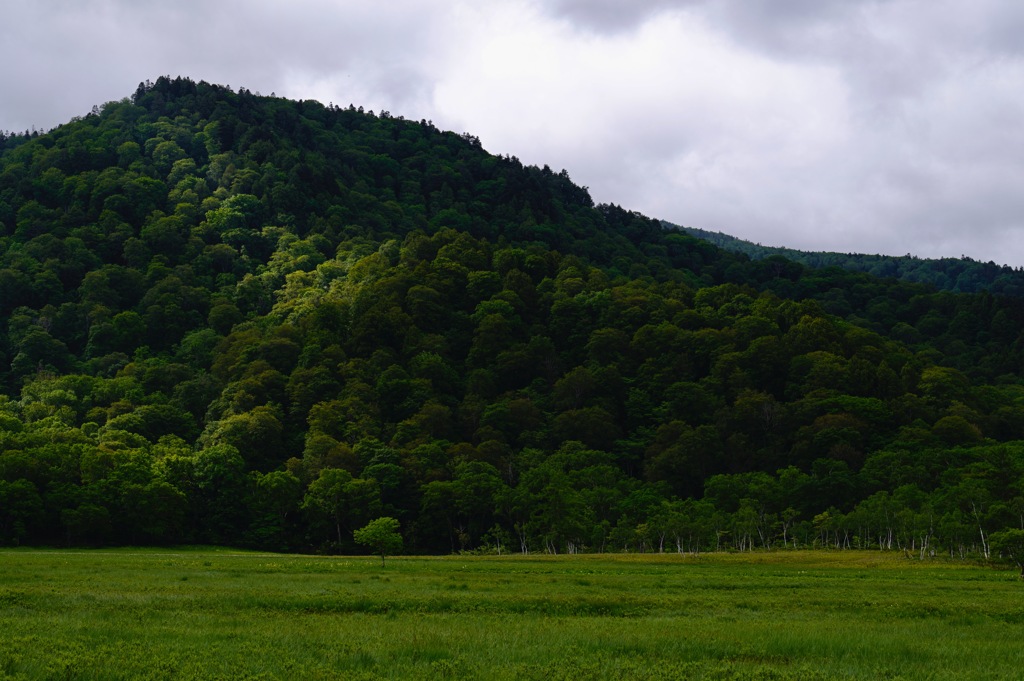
x,y
381,535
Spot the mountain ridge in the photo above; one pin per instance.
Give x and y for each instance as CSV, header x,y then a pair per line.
x,y
959,275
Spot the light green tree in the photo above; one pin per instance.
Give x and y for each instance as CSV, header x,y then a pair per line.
x,y
381,535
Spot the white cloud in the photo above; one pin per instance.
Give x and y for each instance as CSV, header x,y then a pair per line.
x,y
672,119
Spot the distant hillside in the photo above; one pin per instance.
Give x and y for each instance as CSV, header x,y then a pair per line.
x,y
961,275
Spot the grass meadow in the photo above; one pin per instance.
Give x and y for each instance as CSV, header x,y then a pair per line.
x,y
224,614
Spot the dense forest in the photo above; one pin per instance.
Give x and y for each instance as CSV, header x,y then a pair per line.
x,y
237,319
962,275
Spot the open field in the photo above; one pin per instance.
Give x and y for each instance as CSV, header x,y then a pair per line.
x,y
209,613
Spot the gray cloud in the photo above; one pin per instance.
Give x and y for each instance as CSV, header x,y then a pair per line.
x,y
925,115
854,125
59,58
612,16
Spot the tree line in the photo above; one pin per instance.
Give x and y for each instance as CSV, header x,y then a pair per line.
x,y
959,275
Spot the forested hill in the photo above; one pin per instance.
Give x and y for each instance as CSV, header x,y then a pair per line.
x,y
246,320
961,275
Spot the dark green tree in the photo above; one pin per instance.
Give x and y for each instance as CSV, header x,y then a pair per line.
x,y
1008,546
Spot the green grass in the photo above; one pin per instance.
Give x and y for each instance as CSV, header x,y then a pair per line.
x,y
210,613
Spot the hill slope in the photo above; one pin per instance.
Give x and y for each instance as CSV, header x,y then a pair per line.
x,y
960,275
241,319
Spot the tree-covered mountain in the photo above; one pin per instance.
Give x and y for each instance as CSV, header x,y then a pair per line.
x,y
960,275
241,319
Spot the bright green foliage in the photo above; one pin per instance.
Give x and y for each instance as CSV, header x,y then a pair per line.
x,y
380,535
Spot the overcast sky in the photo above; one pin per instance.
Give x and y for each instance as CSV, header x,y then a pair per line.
x,y
891,126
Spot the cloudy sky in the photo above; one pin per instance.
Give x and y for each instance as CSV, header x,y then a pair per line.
x,y
891,126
